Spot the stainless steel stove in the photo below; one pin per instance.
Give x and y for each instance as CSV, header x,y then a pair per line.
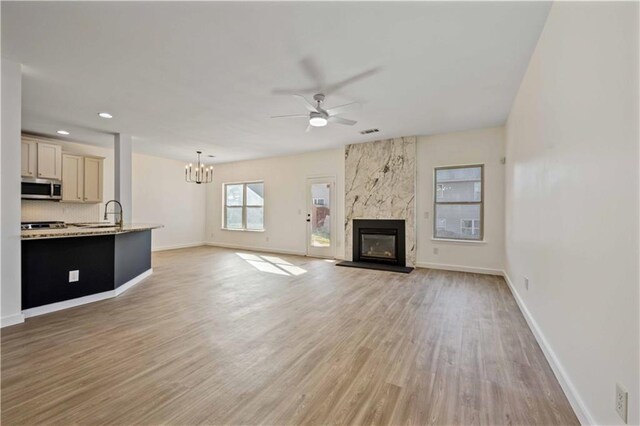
x,y
43,225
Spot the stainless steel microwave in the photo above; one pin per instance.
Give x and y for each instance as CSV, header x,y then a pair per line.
x,y
41,189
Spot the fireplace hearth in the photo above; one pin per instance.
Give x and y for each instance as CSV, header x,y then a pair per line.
x,y
379,244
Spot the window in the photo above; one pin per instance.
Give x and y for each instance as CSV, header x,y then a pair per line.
x,y
244,206
458,202
470,227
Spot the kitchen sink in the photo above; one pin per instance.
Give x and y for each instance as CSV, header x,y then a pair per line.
x,y
93,225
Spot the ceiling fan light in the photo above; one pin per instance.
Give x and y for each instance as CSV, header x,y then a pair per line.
x,y
318,121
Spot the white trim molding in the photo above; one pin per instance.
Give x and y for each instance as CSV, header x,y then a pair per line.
x,y
259,249
179,246
12,320
578,405
460,268
126,286
66,304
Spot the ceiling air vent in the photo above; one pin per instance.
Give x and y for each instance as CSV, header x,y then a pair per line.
x,y
368,131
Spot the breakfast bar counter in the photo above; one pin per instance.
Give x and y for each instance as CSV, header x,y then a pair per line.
x,y
71,266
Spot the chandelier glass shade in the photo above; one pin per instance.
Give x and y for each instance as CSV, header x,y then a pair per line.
x,y
201,174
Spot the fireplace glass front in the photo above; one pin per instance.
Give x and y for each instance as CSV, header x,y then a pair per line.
x,y
378,246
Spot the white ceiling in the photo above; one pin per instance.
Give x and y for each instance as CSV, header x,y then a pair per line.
x,y
185,76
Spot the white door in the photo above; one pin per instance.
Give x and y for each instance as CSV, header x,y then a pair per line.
x,y
321,217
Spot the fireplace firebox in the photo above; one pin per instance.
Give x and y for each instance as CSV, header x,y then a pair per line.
x,y
379,244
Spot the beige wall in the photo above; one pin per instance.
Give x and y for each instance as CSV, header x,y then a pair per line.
x,y
483,146
572,202
285,200
161,195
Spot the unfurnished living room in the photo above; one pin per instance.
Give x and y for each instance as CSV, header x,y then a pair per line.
x,y
299,212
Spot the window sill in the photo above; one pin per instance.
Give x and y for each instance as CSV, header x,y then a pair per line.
x,y
242,230
451,240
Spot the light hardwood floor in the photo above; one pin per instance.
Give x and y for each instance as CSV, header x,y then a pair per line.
x,y
215,338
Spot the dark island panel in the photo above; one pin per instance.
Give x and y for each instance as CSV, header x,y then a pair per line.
x,y
46,264
104,262
132,256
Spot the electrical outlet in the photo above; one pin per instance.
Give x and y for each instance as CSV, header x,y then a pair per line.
x,y
267,239
621,402
426,215
436,250
74,276
526,283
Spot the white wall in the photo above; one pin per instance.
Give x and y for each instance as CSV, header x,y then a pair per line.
x,y
483,146
285,200
160,195
10,290
572,202
73,212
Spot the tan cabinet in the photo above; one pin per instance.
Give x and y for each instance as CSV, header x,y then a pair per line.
x,y
29,158
92,180
72,178
82,179
49,161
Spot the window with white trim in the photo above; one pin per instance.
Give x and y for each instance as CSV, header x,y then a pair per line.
x,y
244,206
458,202
470,227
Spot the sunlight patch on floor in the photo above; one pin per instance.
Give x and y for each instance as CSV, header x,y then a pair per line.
x,y
272,264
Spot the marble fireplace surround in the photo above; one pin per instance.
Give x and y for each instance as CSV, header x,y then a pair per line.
x,y
380,183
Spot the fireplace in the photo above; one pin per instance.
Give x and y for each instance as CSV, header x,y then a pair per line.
x,y
379,244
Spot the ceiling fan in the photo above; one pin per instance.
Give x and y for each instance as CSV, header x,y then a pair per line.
x,y
320,117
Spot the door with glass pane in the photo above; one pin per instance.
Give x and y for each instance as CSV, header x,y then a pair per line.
x,y
320,217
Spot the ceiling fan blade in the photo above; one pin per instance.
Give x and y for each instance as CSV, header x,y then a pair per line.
x,y
344,108
308,128
308,105
341,120
311,68
292,91
291,116
339,85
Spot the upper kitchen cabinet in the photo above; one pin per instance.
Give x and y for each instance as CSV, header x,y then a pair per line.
x,y
93,179
49,161
82,179
29,158
72,178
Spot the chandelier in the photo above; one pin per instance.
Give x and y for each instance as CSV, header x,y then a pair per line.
x,y
202,174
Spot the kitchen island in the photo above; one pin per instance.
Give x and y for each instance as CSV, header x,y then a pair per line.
x,y
72,266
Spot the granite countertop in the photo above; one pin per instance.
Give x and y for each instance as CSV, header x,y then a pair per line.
x,y
84,231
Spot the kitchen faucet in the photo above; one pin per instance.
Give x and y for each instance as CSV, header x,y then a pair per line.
x,y
119,222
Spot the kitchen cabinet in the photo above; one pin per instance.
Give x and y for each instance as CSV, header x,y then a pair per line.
x,y
82,179
29,158
49,159
72,178
93,175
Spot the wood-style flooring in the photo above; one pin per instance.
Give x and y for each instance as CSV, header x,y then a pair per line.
x,y
218,336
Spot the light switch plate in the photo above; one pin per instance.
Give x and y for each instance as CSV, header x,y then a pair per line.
x,y
74,276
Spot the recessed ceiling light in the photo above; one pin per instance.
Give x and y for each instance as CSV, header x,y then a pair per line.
x,y
105,115
62,132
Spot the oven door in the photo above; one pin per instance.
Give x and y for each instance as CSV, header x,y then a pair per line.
x,y
41,189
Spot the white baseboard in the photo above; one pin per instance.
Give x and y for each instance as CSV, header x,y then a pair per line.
x,y
262,249
578,405
126,286
179,246
66,304
12,320
460,268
